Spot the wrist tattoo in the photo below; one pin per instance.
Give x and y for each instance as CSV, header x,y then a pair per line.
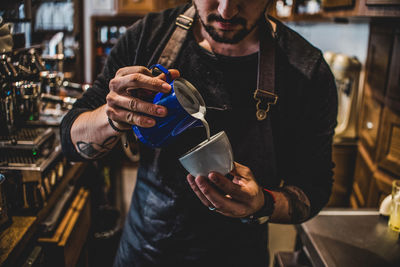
x,y
299,205
92,150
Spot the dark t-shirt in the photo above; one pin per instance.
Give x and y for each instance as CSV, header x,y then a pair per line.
x,y
167,224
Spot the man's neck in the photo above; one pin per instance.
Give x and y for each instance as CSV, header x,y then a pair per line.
x,y
247,46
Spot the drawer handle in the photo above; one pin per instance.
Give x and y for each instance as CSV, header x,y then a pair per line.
x,y
369,125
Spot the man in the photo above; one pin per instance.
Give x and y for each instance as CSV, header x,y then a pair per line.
x,y
283,169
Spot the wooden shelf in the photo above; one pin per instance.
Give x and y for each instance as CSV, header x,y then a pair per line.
x,y
38,36
73,173
320,17
65,246
145,6
14,238
360,10
52,31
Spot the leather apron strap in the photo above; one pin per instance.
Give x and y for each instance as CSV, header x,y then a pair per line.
x,y
265,92
184,22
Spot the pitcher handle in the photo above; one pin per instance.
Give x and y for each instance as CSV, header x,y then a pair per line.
x,y
164,70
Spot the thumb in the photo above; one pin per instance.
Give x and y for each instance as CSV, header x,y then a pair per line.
x,y
242,171
234,171
174,74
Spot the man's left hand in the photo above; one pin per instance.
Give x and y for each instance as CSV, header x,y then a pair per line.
x,y
238,198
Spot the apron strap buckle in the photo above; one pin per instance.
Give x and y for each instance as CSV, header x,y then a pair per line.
x,y
184,22
266,99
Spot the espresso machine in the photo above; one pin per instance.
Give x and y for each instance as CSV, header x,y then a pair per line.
x,y
33,102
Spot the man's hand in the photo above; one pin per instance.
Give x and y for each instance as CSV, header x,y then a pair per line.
x,y
126,110
237,198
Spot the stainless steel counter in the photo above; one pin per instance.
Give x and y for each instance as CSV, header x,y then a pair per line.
x,y
349,238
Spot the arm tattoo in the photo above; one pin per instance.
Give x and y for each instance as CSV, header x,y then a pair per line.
x,y
92,150
299,205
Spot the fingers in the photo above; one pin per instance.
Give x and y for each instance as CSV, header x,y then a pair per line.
x,y
219,201
134,77
123,108
141,69
125,116
241,171
190,178
133,81
173,72
234,190
209,195
117,101
133,69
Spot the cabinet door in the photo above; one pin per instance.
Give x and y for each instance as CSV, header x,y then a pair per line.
x,y
344,157
381,186
369,122
336,3
379,52
383,2
393,88
68,240
388,154
362,177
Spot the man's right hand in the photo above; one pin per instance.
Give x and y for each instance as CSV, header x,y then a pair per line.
x,y
126,110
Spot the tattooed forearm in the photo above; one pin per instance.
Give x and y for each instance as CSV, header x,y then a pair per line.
x,y
299,205
92,150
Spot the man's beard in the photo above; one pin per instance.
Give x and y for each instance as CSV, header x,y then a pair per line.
x,y
236,38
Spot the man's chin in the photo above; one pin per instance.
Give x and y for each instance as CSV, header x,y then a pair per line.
x,y
226,41
226,37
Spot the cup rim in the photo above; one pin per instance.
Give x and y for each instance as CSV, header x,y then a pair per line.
x,y
201,145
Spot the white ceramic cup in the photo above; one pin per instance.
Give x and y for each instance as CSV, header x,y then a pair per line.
x,y
210,155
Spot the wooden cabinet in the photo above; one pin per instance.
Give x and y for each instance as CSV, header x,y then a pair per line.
x,y
337,3
393,88
73,62
378,150
19,239
67,243
364,171
343,9
380,187
383,2
379,54
378,161
344,156
369,123
138,6
388,157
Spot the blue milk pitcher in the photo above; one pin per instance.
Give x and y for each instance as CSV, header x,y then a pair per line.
x,y
181,102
